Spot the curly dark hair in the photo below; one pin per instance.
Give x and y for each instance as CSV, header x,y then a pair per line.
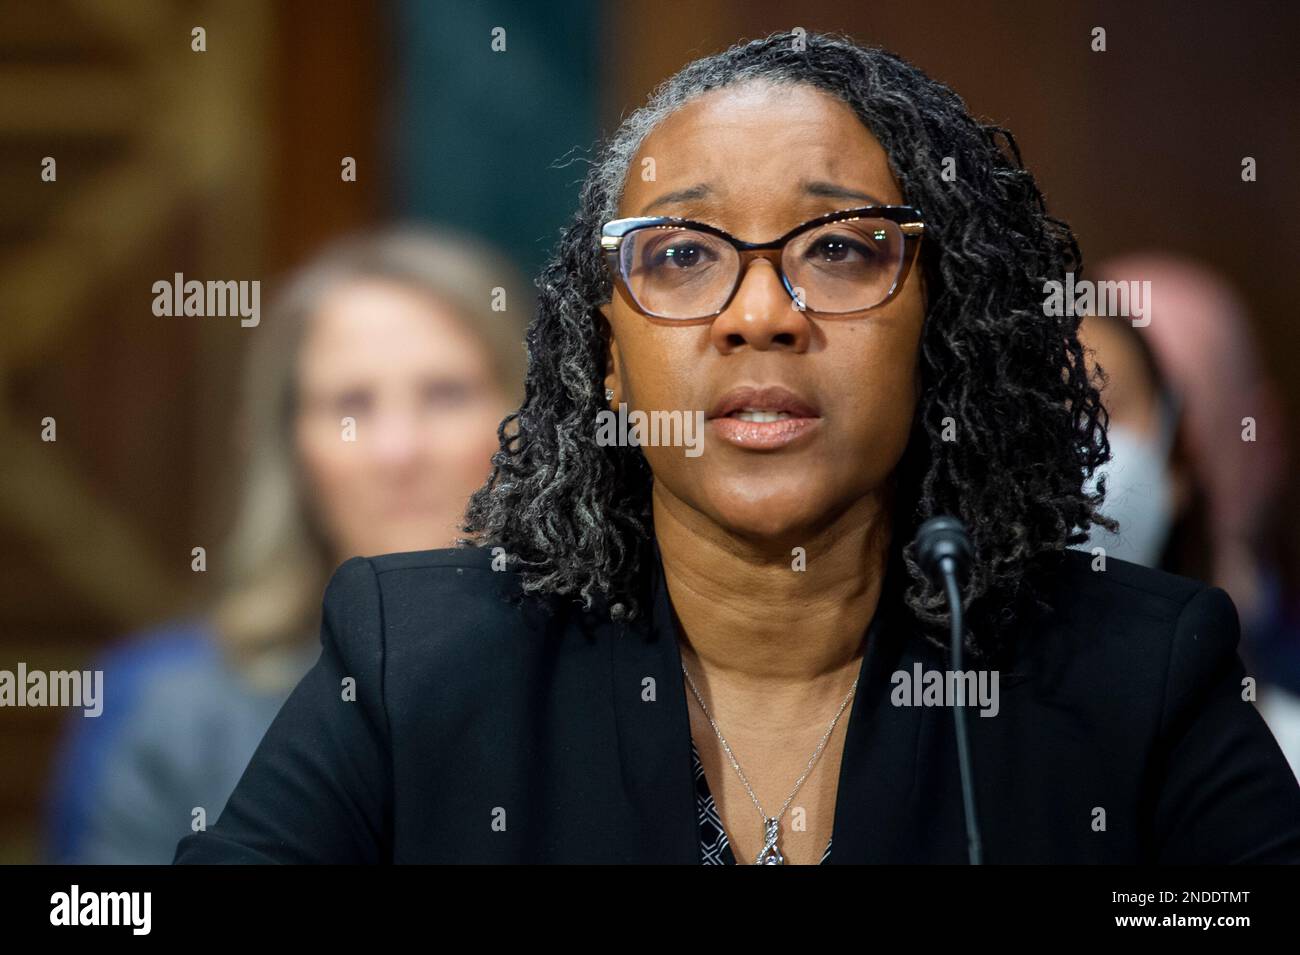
x,y
574,518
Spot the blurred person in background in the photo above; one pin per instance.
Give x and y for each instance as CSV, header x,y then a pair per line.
x,y
417,337
1152,488
1192,495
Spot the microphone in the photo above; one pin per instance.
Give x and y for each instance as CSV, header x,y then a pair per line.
x,y
943,550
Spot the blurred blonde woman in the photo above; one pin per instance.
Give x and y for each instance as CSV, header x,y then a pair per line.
x,y
372,397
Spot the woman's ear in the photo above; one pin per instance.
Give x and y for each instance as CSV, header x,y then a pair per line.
x,y
610,351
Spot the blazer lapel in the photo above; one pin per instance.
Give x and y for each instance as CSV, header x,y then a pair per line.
x,y
654,731
878,768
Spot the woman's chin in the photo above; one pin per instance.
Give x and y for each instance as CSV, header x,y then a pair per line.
x,y
778,521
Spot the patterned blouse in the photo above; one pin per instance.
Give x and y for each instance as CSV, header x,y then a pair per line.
x,y
715,849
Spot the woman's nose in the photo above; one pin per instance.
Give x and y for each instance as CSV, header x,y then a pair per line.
x,y
762,314
397,438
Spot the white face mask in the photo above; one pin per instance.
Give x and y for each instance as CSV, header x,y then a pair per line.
x,y
1138,494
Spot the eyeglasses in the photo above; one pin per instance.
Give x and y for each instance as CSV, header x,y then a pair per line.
x,y
683,272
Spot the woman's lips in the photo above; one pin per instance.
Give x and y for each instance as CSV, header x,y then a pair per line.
x,y
763,418
762,435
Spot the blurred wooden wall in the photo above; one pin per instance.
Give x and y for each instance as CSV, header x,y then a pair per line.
x,y
221,164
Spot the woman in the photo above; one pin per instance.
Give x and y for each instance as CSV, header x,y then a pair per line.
x,y
647,655
372,398
1153,491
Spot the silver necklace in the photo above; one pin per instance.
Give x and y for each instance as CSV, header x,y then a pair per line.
x,y
770,854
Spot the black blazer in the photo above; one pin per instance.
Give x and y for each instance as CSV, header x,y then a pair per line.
x,y
470,708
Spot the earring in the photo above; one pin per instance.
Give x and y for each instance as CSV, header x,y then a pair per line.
x,y
609,394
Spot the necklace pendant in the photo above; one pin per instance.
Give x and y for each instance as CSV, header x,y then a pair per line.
x,y
770,854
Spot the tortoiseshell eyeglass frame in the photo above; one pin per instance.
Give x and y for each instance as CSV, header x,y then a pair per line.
x,y
908,219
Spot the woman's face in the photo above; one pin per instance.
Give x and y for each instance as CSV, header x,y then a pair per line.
x,y
420,388
756,161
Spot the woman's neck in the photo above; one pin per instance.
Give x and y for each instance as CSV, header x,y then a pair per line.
x,y
749,618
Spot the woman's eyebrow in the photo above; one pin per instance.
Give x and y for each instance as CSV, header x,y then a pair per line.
x,y
697,191
817,187
829,190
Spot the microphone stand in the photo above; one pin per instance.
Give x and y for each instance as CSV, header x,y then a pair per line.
x,y
944,553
